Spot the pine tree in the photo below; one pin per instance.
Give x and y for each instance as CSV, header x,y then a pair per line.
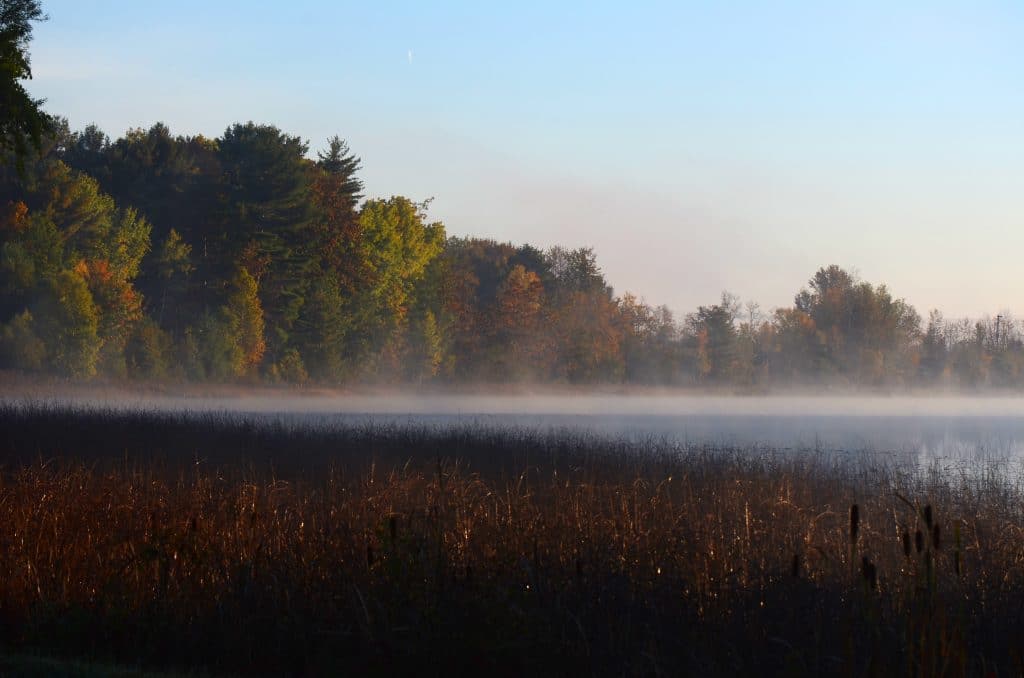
x,y
268,214
340,163
321,329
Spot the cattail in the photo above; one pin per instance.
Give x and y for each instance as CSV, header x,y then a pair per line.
x,y
870,572
956,542
193,524
369,555
854,524
936,537
906,543
928,516
795,567
919,541
393,528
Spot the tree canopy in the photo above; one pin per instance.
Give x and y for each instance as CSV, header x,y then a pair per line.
x,y
248,257
22,120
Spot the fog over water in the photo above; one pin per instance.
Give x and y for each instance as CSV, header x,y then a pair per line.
x,y
966,431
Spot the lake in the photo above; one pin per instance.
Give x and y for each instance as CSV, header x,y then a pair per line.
x,y
964,432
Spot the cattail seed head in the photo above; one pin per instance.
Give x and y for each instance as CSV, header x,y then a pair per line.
x,y
854,523
919,541
906,543
928,516
936,537
956,543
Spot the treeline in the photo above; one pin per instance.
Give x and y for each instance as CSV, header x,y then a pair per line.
x,y
241,258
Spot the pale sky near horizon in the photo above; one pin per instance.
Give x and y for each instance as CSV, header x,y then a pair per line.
x,y
697,147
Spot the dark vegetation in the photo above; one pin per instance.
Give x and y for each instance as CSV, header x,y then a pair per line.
x,y
245,545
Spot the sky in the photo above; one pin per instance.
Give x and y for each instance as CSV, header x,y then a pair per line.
x,y
697,147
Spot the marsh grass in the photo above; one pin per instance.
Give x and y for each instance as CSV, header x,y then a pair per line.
x,y
251,546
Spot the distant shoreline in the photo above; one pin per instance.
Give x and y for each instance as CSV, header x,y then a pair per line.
x,y
513,399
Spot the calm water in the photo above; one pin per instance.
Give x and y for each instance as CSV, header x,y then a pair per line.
x,y
964,432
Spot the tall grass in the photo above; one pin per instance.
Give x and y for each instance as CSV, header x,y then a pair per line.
x,y
247,546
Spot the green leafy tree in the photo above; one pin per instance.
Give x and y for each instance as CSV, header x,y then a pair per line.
x,y
172,267
397,246
120,309
289,369
426,352
127,243
244,319
73,201
69,323
213,350
714,338
322,327
228,344
149,352
60,220
22,120
20,345
190,351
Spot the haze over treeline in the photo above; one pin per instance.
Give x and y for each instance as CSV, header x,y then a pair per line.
x,y
241,258
248,258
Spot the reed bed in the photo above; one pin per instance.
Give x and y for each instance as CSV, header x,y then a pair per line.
x,y
244,546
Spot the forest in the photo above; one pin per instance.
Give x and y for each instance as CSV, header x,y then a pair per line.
x,y
250,258
242,259
201,535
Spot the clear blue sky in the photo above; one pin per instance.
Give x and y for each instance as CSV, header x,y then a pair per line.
x,y
696,146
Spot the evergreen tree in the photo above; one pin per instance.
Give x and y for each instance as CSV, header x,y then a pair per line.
x,y
322,327
340,163
267,214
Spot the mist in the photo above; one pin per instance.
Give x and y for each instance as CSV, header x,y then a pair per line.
x,y
966,434
398,403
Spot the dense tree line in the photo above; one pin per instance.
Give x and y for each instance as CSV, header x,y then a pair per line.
x,y
244,258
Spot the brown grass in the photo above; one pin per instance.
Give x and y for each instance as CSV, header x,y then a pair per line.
x,y
677,561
